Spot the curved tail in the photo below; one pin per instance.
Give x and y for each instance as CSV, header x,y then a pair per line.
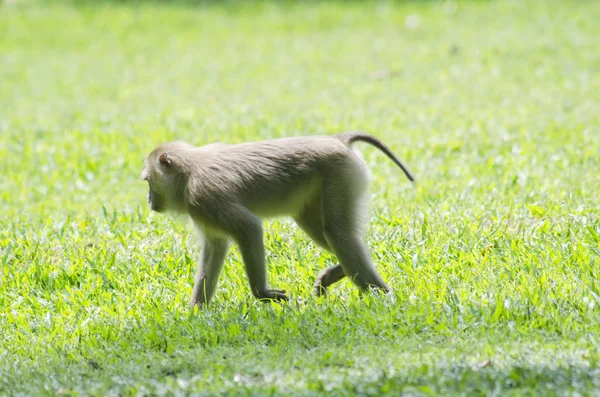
x,y
350,137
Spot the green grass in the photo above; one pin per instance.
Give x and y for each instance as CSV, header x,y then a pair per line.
x,y
493,256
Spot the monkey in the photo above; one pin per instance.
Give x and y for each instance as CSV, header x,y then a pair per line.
x,y
227,189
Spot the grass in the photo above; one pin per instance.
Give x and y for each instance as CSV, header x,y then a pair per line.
x,y
493,256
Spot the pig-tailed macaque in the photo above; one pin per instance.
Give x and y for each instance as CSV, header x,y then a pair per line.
x,y
226,190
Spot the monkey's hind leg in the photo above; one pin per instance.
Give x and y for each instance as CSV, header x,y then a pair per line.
x,y
343,217
311,221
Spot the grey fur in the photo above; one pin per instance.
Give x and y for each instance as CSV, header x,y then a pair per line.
x,y
226,189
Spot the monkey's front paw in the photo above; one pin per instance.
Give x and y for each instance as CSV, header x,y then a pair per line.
x,y
272,295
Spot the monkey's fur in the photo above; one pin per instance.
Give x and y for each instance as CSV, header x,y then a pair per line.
x,y
319,180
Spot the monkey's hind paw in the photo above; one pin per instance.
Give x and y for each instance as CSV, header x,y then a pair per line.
x,y
319,289
272,295
328,276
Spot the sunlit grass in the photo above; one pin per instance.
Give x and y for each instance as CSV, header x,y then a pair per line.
x,y
493,256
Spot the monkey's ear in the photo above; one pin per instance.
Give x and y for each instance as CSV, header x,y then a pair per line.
x,y
164,160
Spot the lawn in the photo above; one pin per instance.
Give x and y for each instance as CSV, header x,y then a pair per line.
x,y
493,256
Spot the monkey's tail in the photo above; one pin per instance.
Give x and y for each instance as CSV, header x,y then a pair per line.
x,y
350,137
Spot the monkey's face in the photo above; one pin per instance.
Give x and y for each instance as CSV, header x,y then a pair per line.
x,y
157,202
157,173
155,198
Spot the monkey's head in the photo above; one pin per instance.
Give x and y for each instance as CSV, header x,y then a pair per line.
x,y
164,170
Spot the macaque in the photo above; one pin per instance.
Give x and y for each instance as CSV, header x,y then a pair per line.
x,y
320,181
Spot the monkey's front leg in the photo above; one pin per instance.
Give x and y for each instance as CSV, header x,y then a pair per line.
x,y
214,251
250,240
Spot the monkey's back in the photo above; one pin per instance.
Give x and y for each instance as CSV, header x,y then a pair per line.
x,y
271,177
